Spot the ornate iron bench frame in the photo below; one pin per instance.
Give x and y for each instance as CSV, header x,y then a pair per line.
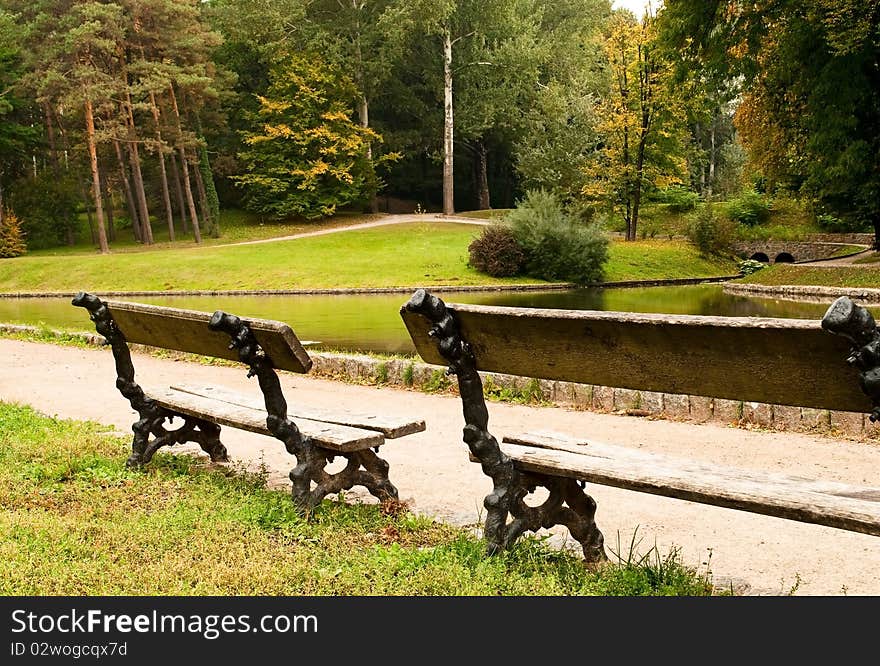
x,y
364,467
568,504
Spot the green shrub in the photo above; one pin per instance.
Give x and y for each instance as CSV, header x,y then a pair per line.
x,y
749,208
677,199
556,245
46,206
835,225
709,233
496,252
749,266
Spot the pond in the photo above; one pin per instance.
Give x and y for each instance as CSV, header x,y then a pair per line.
x,y
370,322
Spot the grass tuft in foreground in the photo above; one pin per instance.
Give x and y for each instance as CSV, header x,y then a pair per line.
x,y
75,521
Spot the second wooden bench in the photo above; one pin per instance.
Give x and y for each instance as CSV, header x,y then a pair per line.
x,y
776,361
314,436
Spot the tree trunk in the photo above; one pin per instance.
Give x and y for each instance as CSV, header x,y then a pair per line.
x,y
179,192
129,198
364,106
364,115
197,234
166,197
96,177
50,135
207,218
624,95
93,235
108,200
482,165
448,184
875,220
187,187
698,135
208,189
136,174
712,159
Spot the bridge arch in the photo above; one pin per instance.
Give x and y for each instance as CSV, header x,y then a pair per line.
x,y
760,256
784,258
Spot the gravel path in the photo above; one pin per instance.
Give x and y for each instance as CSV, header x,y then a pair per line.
x,y
758,554
385,221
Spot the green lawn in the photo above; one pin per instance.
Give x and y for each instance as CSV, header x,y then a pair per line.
x,y
236,226
831,276
656,259
402,255
75,521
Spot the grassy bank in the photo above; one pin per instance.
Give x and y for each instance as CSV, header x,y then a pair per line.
x,y
831,276
397,255
75,521
389,256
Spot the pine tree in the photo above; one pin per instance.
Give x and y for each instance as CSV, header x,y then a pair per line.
x,y
11,236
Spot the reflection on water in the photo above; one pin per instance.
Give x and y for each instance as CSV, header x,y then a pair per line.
x,y
370,322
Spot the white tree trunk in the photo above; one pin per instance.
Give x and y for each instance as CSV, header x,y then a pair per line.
x,y
448,187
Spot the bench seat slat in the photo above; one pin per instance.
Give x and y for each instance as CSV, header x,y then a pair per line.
x,y
833,504
390,427
326,435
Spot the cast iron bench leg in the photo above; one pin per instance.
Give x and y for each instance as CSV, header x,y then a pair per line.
x,y
363,468
203,433
567,505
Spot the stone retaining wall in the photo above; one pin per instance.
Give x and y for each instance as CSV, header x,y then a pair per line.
x,y
800,250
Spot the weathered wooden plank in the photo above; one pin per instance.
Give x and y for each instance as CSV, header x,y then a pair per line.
x,y
326,435
390,426
854,508
187,331
777,361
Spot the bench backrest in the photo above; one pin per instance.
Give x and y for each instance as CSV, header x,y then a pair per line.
x,y
777,361
187,331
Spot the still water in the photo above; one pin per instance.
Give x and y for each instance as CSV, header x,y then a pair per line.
x,y
370,322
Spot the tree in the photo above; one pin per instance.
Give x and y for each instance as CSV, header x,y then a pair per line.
x,y
487,62
354,35
810,115
558,136
11,237
18,134
73,46
640,124
308,157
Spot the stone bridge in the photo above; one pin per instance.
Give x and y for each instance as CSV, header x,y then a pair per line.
x,y
790,252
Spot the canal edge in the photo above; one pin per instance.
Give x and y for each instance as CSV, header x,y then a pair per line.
x,y
553,286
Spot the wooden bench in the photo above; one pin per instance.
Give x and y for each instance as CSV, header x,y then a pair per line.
x,y
777,361
314,437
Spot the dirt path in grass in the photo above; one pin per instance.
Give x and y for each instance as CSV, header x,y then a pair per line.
x,y
382,222
761,555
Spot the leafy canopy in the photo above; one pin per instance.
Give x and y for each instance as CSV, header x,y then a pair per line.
x,y
307,156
